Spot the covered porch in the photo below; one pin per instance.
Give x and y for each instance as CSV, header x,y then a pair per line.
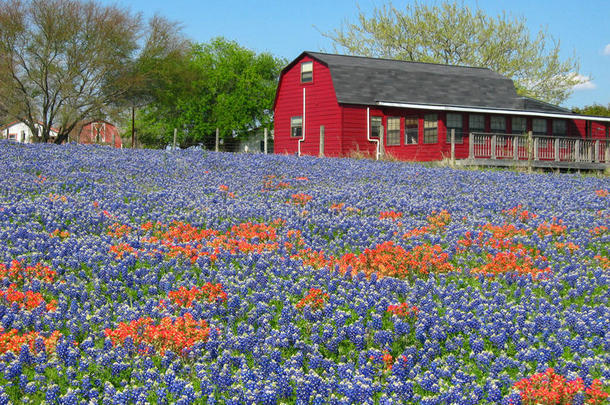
x,y
535,151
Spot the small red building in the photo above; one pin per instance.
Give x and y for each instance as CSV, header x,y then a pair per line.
x,y
98,132
336,105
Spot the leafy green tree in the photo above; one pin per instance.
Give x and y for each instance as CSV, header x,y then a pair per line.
x,y
595,109
65,61
451,33
229,87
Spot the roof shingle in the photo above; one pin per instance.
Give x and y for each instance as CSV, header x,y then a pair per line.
x,y
366,81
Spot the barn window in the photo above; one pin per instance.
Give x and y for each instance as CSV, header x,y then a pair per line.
x,y
539,126
296,127
476,123
375,127
518,125
306,72
393,131
454,121
411,129
498,124
559,128
430,128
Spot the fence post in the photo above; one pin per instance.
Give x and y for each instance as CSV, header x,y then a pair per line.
x,y
607,154
217,139
452,146
493,146
471,146
381,142
321,153
596,151
175,133
515,147
577,150
536,143
556,140
530,151
265,141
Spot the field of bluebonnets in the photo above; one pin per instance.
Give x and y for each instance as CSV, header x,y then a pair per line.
x,y
140,276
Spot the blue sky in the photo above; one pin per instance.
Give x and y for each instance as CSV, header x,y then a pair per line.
x,y
285,28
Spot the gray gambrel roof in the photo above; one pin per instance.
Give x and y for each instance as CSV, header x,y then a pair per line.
x,y
370,81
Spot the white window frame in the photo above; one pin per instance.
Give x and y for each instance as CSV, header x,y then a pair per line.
x,y
307,72
296,123
376,126
394,130
409,138
430,128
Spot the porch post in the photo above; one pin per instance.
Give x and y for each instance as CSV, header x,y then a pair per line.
x,y
452,145
596,153
470,146
515,147
536,148
577,150
493,146
556,140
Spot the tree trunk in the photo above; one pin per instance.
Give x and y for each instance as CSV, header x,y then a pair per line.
x,y
61,137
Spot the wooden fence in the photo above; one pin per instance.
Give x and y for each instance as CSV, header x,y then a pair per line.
x,y
535,148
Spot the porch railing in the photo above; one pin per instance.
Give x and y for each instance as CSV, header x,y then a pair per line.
x,y
538,148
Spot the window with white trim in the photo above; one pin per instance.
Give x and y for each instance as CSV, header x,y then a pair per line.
x,y
430,128
411,130
518,125
497,124
306,72
455,122
296,127
393,131
375,127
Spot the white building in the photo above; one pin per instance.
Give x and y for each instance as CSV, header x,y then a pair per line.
x,y
19,132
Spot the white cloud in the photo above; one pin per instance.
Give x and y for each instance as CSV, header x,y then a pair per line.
x,y
606,50
585,83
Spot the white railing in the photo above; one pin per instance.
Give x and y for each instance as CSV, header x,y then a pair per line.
x,y
538,148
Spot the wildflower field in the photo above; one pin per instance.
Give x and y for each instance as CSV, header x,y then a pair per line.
x,y
140,276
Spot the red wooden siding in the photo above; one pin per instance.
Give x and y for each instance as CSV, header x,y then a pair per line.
x,y
321,108
345,125
100,132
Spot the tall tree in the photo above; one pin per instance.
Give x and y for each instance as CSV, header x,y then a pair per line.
x,y
64,61
161,68
233,90
451,33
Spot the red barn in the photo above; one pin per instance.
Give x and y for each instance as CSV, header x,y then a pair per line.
x,y
336,105
98,132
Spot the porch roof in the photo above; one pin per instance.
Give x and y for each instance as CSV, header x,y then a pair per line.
x,y
489,110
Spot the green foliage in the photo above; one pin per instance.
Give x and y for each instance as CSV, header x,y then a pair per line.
x,y
451,33
595,109
224,86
